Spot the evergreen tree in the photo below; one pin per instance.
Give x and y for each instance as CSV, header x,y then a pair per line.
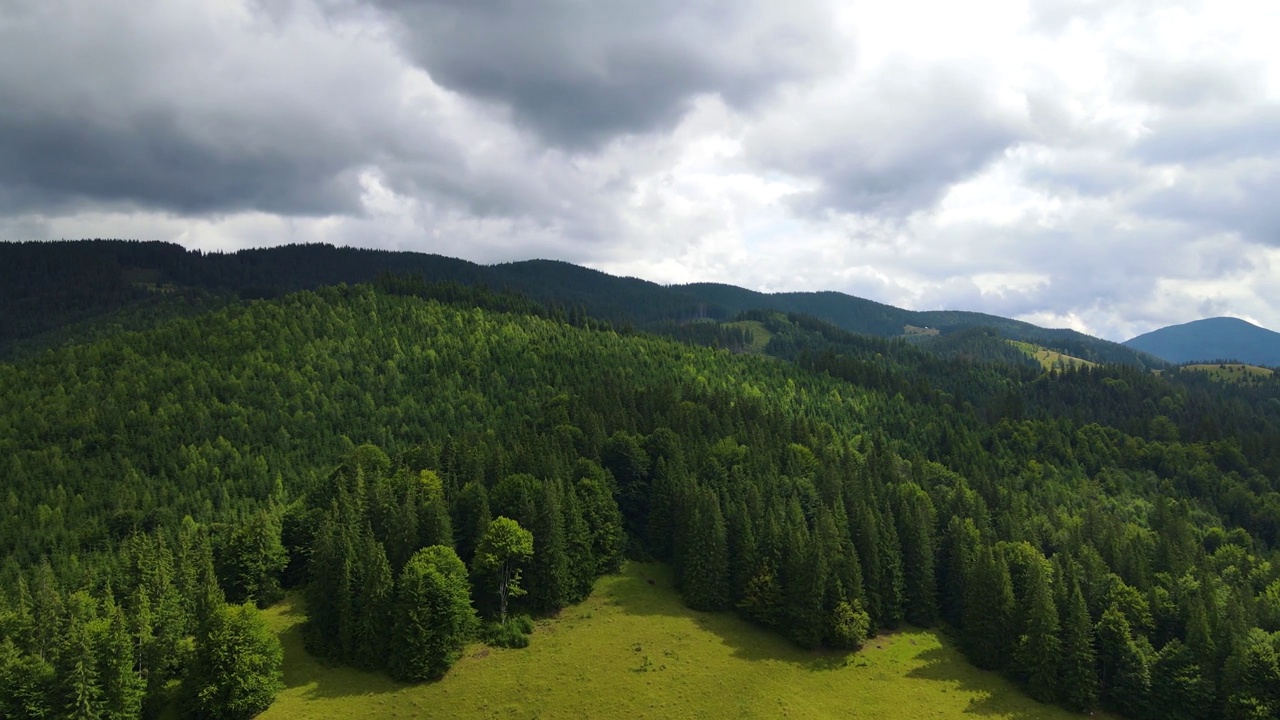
x,y
1252,682
1124,674
704,566
470,519
1179,691
604,522
989,610
26,683
551,583
915,519
374,590
123,689
81,691
1079,674
434,524
1038,656
578,546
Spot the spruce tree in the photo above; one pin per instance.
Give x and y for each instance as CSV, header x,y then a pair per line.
x,y
551,584
1124,674
1038,656
1079,673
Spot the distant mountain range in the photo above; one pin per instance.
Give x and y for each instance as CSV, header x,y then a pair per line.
x,y
1220,338
47,287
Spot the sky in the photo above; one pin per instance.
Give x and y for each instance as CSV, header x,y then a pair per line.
x,y
1111,166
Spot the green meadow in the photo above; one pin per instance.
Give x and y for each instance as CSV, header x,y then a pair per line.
x,y
1231,372
1050,358
632,650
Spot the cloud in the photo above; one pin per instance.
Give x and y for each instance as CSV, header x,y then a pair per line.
x,y
186,106
581,73
890,143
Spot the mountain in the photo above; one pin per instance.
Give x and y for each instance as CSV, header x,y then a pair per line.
x,y
1220,338
378,448
49,290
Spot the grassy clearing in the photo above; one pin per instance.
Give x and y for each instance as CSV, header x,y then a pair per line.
x,y
632,650
760,335
1049,359
1232,372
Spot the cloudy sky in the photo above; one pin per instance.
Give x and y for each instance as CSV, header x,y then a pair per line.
x,y
1107,165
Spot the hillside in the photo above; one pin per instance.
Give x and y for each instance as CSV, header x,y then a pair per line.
x,y
48,288
642,654
1212,339
1099,534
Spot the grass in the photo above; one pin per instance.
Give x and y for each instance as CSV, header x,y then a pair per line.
x,y
632,650
760,335
1232,372
1047,358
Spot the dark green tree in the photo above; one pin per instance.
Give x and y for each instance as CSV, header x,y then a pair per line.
x,y
236,671
433,615
1079,674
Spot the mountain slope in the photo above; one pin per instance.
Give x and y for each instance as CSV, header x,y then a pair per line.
x,y
46,287
1218,338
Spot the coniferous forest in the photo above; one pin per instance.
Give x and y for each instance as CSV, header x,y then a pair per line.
x,y
432,464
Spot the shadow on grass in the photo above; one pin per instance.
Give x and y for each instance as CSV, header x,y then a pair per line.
x,y
647,589
321,678
995,694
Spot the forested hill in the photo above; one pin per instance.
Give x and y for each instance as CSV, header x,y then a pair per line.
x,y
414,456
46,287
1212,339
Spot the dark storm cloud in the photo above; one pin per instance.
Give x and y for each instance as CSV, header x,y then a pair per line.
x,y
580,73
186,108
151,162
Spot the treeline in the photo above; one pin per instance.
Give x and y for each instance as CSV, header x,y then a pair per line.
x,y
144,628
1084,531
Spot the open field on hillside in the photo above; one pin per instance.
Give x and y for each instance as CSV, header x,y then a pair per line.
x,y
1050,358
632,650
1231,372
760,335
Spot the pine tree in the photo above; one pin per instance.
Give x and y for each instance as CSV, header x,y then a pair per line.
x,y
704,548
889,553
470,519
915,519
123,688
578,547
80,688
989,611
434,524
1079,674
374,595
1179,690
604,522
1037,656
550,579
1124,675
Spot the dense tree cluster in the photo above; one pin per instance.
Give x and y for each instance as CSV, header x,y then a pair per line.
x,y
1107,536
